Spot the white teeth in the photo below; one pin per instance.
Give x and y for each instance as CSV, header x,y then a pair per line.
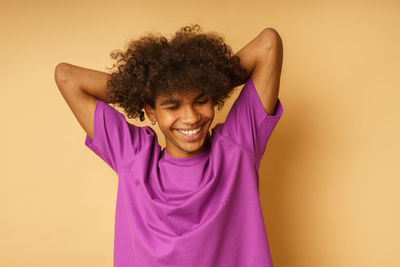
x,y
191,132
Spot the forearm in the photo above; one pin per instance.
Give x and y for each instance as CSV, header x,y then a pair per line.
x,y
90,81
252,51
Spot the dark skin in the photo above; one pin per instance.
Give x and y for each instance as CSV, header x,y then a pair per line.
x,y
182,112
261,57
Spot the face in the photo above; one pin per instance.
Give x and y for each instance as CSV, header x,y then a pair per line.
x,y
178,113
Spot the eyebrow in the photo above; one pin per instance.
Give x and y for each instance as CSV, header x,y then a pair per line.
x,y
176,101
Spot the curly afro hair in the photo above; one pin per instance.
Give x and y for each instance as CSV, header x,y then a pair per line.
x,y
153,66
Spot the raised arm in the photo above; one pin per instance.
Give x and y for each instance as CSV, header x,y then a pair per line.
x,y
250,53
262,58
80,88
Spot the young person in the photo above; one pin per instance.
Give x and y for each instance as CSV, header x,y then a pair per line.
x,y
195,202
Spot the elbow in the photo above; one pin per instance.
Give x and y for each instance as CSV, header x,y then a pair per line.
x,y
60,73
271,38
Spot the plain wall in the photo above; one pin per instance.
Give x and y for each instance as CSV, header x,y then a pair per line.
x,y
329,175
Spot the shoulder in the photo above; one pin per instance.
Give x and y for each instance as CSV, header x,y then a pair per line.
x,y
222,139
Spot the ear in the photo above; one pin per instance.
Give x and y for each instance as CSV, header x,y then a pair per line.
x,y
150,112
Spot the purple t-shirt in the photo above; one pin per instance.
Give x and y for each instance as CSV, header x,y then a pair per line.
x,y
201,211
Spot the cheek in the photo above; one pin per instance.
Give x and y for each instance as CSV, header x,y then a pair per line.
x,y
167,120
209,111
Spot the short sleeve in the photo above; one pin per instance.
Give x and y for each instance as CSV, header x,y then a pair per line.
x,y
248,124
114,138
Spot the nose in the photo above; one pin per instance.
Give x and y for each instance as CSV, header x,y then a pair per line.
x,y
190,115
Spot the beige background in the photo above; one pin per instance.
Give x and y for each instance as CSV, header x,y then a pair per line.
x,y
329,176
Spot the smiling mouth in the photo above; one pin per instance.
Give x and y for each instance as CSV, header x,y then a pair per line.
x,y
191,135
190,132
195,129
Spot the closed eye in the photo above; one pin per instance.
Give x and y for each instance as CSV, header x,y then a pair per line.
x,y
199,102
